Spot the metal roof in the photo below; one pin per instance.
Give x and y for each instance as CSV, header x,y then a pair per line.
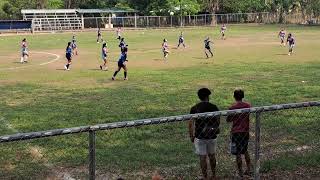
x,y
81,11
93,11
43,11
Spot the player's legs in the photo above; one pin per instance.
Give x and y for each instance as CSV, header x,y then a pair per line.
x,y
67,66
125,72
291,49
116,72
25,58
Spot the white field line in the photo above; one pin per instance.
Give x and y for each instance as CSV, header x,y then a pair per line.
x,y
57,57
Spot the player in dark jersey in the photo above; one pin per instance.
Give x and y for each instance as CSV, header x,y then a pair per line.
x,y
282,36
68,56
99,36
223,31
165,49
207,47
122,63
104,55
24,51
74,45
122,44
292,43
181,41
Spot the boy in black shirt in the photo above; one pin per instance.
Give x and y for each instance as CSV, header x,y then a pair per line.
x,y
203,132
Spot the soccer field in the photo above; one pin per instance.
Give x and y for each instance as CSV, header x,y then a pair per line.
x,y
41,95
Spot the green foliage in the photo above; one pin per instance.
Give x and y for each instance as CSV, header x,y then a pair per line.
x,y
11,8
55,4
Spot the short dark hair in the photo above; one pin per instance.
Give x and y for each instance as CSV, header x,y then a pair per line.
x,y
238,94
204,93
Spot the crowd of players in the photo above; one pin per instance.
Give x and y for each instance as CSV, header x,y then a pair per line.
x,y
72,50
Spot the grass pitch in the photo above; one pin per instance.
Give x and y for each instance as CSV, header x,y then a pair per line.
x,y
40,95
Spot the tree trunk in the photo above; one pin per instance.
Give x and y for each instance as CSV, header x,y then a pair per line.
x,y
41,4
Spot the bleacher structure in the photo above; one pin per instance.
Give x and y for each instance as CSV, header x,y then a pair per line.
x,y
53,19
67,19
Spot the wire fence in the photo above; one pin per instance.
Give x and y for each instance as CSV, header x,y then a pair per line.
x,y
282,142
197,20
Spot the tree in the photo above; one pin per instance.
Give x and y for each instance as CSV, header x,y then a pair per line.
x,y
55,4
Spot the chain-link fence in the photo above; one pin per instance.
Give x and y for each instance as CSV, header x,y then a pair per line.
x,y
282,141
197,20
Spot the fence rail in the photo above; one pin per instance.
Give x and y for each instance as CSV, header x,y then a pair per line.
x,y
111,132
197,20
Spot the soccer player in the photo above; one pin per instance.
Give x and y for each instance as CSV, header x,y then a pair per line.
x,y
165,49
118,33
291,42
104,52
181,41
68,56
24,51
223,31
122,44
122,63
99,38
208,47
74,45
282,36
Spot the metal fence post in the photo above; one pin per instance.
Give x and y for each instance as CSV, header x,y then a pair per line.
x,y
92,155
257,147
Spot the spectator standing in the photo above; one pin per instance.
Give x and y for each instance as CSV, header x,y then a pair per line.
x,y
203,132
240,132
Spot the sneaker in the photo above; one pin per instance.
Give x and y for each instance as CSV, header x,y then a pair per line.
x,y
112,78
289,54
68,69
125,79
100,67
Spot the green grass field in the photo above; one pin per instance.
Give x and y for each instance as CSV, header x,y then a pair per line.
x,y
39,96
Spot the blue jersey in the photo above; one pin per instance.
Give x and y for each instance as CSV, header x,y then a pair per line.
x,y
122,44
68,50
282,34
123,58
73,44
291,40
104,52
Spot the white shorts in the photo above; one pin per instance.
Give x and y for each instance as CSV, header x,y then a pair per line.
x,y
205,146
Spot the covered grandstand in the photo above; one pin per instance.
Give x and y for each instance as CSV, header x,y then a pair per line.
x,y
68,19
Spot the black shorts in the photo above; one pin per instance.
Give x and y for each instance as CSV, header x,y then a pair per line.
x,y
68,56
241,141
121,65
208,48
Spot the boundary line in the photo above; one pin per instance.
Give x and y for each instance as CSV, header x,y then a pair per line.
x,y
57,57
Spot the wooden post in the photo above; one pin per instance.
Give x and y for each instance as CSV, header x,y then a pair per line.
x,y
257,147
92,155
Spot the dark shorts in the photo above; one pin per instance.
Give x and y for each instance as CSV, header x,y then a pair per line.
x,y
208,48
241,141
68,56
120,64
